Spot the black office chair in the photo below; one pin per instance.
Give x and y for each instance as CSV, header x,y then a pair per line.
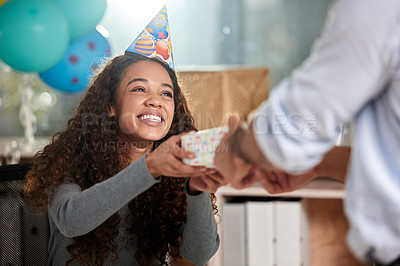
x,y
24,234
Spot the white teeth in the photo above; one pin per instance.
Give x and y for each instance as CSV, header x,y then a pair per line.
x,y
153,118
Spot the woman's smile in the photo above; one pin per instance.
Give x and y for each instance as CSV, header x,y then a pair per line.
x,y
153,119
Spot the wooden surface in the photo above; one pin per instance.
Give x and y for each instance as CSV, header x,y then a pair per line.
x,y
328,227
318,188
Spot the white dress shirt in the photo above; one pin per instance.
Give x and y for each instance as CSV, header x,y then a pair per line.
x,y
353,73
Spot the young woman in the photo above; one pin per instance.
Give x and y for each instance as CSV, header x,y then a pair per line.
x,y
114,184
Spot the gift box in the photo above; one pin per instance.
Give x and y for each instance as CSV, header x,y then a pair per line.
x,y
203,143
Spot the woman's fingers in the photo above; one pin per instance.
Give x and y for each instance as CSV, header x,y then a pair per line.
x,y
204,183
209,182
178,168
216,177
175,148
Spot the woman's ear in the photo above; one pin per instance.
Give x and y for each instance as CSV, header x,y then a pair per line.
x,y
112,112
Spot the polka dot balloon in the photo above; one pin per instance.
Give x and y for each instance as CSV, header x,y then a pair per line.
x,y
72,74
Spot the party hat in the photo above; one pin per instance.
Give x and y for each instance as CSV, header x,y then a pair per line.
x,y
154,40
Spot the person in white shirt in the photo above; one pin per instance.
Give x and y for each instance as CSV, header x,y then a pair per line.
x,y
352,74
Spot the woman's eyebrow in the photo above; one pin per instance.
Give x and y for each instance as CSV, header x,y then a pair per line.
x,y
167,85
145,80
137,79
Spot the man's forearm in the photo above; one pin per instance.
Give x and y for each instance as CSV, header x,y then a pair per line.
x,y
334,164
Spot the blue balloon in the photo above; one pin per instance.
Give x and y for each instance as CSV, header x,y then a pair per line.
x,y
33,34
82,15
73,72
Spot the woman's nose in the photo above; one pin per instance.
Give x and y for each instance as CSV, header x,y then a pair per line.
x,y
153,101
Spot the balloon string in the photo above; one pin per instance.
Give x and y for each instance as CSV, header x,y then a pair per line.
x,y
26,115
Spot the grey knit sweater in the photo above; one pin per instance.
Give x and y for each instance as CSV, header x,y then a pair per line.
x,y
74,212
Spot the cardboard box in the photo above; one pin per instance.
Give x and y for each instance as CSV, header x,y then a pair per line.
x,y
212,95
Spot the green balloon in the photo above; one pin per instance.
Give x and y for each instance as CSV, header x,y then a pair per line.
x,y
82,15
33,34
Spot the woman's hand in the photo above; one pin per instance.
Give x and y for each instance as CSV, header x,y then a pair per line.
x,y
209,182
166,160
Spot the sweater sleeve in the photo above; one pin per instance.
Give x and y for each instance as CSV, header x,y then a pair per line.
x,y
200,239
76,212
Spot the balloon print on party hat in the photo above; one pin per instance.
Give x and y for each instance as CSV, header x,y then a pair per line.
x,y
154,40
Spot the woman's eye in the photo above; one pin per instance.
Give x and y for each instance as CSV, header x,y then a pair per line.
x,y
168,94
138,89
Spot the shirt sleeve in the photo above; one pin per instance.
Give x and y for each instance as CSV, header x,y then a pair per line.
x,y
200,239
348,66
76,212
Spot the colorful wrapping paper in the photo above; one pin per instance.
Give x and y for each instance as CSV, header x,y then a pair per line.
x,y
203,143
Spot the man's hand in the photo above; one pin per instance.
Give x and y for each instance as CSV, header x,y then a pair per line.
x,y
333,165
279,181
232,168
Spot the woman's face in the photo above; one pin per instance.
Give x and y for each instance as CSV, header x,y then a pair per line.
x,y
144,107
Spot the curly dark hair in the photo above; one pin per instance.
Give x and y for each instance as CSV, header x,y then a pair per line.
x,y
89,151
